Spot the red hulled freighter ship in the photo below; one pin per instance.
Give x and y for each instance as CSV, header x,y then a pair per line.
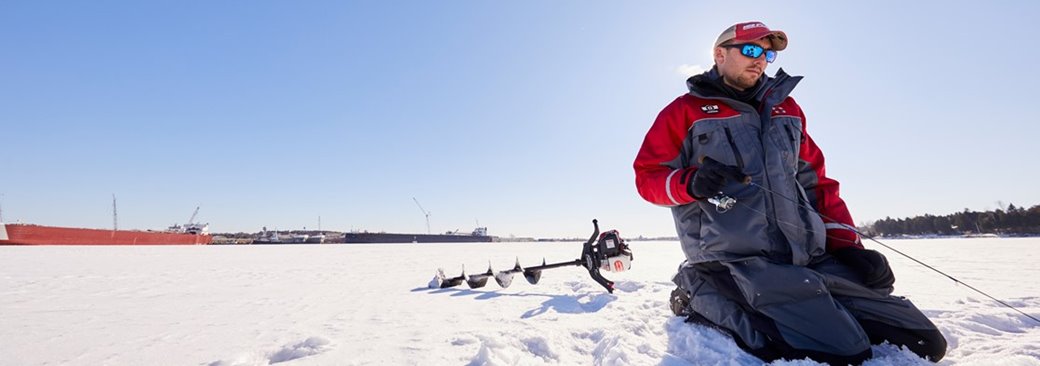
x,y
28,234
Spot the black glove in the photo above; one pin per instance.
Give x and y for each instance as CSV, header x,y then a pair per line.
x,y
869,263
711,177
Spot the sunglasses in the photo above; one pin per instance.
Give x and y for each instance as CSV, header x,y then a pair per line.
x,y
753,51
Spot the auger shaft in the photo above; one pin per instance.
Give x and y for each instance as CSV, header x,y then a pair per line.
x,y
576,262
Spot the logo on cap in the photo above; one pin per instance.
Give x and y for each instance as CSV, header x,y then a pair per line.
x,y
752,26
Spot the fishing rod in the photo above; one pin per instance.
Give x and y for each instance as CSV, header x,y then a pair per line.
x,y
723,203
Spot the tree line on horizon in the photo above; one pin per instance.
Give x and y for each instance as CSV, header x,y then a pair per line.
x,y
1012,221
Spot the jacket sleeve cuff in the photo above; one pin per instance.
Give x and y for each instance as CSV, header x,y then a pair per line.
x,y
677,184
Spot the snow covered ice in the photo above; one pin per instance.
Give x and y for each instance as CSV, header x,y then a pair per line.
x,y
370,304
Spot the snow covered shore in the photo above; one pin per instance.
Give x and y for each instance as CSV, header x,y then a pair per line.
x,y
368,304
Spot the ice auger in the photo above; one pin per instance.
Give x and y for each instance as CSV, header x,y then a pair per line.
x,y
606,252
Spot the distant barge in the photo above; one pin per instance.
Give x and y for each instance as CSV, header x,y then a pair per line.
x,y
479,235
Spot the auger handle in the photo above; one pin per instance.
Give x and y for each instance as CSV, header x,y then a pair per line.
x,y
595,233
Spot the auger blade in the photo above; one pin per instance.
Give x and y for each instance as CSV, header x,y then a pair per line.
x,y
479,280
438,279
505,278
454,281
533,276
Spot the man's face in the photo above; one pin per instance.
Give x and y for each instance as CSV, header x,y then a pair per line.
x,y
740,71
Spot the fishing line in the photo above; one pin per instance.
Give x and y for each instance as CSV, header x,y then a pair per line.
x,y
862,235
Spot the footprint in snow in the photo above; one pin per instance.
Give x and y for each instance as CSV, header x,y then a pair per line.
x,y
308,347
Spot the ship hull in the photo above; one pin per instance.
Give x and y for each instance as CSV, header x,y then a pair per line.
x,y
23,234
412,238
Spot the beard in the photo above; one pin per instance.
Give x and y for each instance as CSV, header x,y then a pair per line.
x,y
743,80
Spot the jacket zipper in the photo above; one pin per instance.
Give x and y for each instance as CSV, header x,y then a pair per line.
x,y
733,145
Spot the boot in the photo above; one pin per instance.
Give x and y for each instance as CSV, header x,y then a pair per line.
x,y
680,302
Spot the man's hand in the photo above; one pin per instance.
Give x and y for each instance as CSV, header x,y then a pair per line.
x,y
870,264
711,177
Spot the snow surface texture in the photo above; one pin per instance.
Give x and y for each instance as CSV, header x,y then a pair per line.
x,y
370,304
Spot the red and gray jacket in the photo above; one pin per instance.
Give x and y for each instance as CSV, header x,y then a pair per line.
x,y
771,145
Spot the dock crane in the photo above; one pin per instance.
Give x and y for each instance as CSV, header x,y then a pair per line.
x,y
193,214
427,213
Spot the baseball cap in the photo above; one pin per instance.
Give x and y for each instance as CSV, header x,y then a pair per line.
x,y
750,31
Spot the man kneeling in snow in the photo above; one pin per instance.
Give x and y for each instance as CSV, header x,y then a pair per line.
x,y
781,270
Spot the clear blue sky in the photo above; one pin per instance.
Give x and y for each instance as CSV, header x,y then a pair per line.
x,y
525,116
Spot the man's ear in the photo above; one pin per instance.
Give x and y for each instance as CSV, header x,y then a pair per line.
x,y
719,55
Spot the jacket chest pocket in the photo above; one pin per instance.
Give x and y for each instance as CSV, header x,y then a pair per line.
x,y
715,139
786,134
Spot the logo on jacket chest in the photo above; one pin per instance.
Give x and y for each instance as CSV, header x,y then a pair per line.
x,y
710,108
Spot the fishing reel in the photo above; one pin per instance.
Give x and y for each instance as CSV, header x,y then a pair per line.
x,y
722,202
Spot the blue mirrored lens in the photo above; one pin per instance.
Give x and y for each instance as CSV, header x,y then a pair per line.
x,y
754,51
751,50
